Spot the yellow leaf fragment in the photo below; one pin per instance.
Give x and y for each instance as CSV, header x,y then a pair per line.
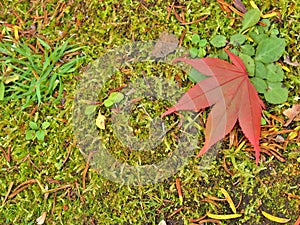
x,y
223,217
252,3
100,121
16,32
229,200
293,135
239,147
9,79
275,218
285,68
269,15
249,39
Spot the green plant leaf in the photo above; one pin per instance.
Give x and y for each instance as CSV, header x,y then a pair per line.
x,y
40,135
2,90
195,39
260,70
202,43
250,18
274,32
259,84
47,64
22,50
44,44
53,82
33,125
270,50
222,54
114,97
237,39
70,66
263,122
45,125
218,41
249,63
258,37
248,50
38,93
108,103
29,135
274,72
276,94
201,52
193,52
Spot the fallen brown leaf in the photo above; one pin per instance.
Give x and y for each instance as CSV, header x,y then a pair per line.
x,y
292,113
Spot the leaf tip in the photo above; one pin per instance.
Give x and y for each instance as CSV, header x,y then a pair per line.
x,y
257,155
178,60
202,151
169,111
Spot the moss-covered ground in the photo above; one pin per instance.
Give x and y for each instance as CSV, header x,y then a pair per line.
x,y
55,178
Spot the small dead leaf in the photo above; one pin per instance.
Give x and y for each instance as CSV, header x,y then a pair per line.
x,y
240,6
229,200
279,139
162,222
292,113
9,79
288,61
42,218
166,44
100,121
275,218
223,217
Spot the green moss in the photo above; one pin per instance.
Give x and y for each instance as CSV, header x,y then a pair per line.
x,y
100,26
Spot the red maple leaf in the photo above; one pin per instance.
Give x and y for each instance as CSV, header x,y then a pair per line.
x,y
232,95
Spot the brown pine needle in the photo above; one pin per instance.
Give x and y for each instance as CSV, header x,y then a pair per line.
x,y
8,191
18,191
178,187
226,168
175,212
197,220
195,21
210,221
86,169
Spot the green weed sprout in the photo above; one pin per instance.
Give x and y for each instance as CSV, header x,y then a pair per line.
x,y
34,75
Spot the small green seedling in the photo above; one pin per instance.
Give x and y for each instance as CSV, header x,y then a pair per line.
x,y
113,98
36,131
218,41
200,47
35,76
